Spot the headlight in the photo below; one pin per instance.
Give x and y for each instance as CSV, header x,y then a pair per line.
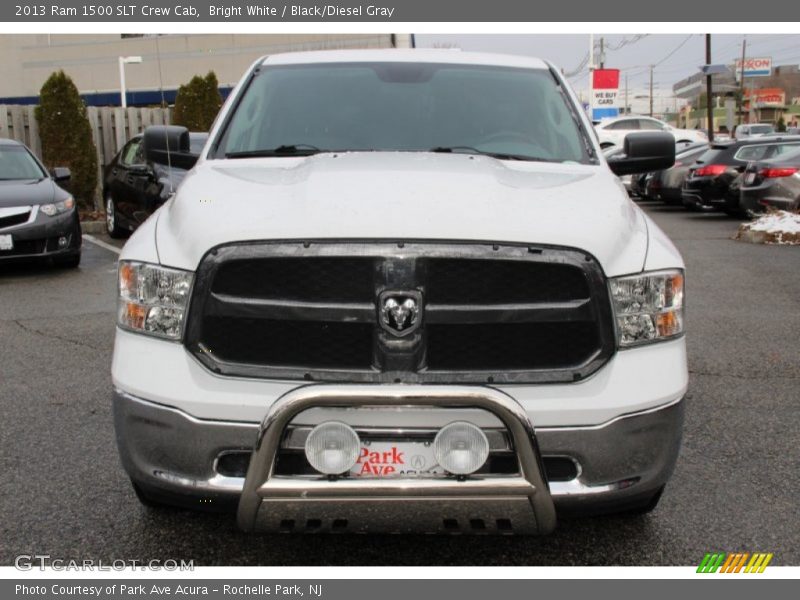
x,y
648,307
51,210
153,299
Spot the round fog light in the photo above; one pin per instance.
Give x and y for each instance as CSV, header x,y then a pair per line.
x,y
461,448
332,447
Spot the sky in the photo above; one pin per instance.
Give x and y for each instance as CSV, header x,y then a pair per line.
x,y
674,56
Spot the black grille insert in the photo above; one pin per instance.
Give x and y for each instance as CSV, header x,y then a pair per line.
x,y
319,279
303,344
488,312
469,281
517,346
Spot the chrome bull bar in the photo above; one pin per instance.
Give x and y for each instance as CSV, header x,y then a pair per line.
x,y
503,503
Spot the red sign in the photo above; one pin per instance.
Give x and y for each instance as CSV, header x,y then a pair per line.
x,y
767,97
605,79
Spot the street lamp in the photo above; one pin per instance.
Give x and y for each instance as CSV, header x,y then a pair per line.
x,y
123,60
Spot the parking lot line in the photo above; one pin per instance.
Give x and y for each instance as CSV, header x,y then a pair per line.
x,y
101,243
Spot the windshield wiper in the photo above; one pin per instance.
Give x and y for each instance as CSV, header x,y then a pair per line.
x,y
282,150
497,155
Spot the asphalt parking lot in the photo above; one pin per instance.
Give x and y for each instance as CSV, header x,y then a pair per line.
x,y
63,491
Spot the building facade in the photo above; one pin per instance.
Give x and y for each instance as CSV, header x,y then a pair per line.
x,y
167,61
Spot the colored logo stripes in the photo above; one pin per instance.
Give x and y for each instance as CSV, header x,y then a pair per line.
x,y
734,562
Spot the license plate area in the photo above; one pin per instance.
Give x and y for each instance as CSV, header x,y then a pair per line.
x,y
392,458
749,178
6,242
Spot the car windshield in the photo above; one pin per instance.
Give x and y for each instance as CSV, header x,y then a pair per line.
x,y
761,129
17,163
507,112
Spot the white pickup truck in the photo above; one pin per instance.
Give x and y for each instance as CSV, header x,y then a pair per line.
x,y
401,291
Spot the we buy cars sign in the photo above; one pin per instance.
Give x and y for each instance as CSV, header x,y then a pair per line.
x,y
605,92
754,67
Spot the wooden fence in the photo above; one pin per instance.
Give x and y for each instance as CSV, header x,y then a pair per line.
x,y
111,127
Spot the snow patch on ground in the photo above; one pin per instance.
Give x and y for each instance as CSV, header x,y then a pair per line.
x,y
774,227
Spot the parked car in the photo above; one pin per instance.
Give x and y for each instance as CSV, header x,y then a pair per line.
x,y
612,132
133,187
636,183
38,219
396,278
610,153
666,185
707,185
744,132
771,183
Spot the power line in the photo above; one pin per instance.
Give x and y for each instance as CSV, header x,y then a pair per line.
x,y
621,44
678,47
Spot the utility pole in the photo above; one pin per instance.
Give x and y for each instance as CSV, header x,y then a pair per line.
x,y
651,89
626,94
602,53
591,76
741,82
709,103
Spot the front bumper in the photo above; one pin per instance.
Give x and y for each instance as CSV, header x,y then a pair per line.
x,y
773,194
39,237
166,450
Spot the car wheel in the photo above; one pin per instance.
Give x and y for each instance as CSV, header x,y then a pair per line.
x,y
112,223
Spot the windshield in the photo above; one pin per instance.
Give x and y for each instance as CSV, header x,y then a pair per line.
x,y
17,163
404,107
761,129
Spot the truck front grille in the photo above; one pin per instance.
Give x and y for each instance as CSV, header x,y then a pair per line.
x,y
486,312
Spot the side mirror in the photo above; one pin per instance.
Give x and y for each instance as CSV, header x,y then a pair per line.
x,y
644,152
169,145
61,174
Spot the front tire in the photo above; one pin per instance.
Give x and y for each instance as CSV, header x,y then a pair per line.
x,y
112,222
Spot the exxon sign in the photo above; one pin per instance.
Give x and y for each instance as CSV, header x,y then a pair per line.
x,y
754,67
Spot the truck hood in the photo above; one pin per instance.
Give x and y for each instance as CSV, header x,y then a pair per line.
x,y
402,196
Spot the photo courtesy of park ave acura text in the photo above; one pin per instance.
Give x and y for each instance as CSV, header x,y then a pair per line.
x,y
439,299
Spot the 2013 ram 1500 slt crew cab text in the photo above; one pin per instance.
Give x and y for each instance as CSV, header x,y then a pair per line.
x,y
401,291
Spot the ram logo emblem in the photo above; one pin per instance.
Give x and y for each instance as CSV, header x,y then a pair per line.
x,y
400,312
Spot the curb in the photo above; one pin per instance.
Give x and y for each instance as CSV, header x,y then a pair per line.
x,y
93,226
751,237
777,238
